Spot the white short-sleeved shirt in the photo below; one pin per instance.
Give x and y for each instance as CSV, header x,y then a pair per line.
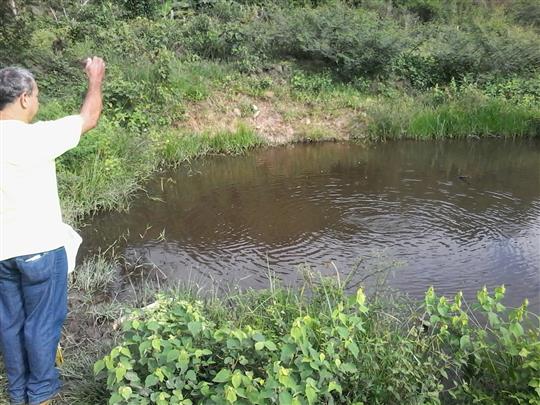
x,y
30,216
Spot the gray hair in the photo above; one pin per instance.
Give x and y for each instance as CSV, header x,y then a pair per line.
x,y
14,81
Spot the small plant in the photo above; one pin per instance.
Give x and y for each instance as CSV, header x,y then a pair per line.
x,y
495,359
313,83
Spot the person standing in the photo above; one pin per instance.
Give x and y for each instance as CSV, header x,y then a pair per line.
x,y
33,259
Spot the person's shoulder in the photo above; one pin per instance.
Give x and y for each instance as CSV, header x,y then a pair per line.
x,y
12,123
15,127
58,121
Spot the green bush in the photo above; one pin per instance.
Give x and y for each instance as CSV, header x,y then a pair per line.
x,y
426,10
141,8
176,354
420,70
311,83
525,12
228,32
495,361
520,90
475,49
351,41
325,348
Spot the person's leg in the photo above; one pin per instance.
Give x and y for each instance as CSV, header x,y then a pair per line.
x,y
12,331
44,285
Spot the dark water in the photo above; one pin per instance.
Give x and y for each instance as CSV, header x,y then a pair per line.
x,y
457,215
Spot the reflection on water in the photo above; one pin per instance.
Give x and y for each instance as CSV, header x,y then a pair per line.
x,y
458,214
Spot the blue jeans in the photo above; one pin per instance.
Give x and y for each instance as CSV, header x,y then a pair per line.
x,y
33,307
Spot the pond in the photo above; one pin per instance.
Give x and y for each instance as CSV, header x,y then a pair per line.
x,y
456,215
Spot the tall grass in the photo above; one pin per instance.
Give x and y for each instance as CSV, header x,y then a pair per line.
x,y
178,148
411,118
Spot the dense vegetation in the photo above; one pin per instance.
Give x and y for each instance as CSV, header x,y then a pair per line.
x,y
281,347
188,78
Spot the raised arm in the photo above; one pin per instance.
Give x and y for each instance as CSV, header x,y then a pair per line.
x,y
93,104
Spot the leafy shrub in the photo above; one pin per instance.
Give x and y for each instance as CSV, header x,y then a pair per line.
x,y
176,354
523,91
526,12
328,348
494,363
10,29
420,70
352,41
426,10
475,49
228,32
141,8
311,83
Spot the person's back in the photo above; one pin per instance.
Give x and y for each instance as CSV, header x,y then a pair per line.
x,y
30,210
33,237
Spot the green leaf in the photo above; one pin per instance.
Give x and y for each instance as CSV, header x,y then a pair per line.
x,y
98,366
493,319
360,297
343,332
224,375
172,355
353,348
236,380
131,376
270,345
183,360
191,376
125,392
230,394
259,346
153,326
120,373
195,327
464,342
524,352
311,394
156,344
348,368
334,386
115,399
285,398
287,352
151,380
516,329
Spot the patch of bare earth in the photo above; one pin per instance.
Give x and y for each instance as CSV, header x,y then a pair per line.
x,y
276,120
